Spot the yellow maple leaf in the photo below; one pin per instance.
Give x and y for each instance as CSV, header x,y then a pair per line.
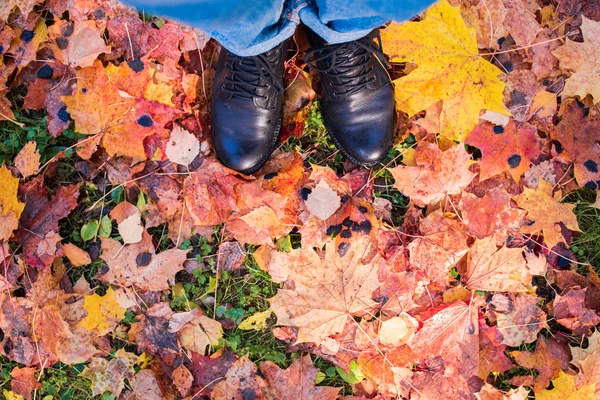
x,y
449,68
104,312
10,206
564,389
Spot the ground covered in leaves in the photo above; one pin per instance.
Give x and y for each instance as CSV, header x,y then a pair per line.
x,y
133,265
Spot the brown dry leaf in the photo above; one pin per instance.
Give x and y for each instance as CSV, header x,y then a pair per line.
x,y
571,311
10,206
504,148
583,59
295,382
490,214
348,279
77,44
137,264
436,175
564,389
441,246
152,333
28,160
25,6
24,382
589,369
110,375
496,269
241,382
183,379
196,331
544,359
208,371
544,212
521,319
77,257
145,386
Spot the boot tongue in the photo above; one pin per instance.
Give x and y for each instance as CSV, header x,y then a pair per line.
x,y
350,66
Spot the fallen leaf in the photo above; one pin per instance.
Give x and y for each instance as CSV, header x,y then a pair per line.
x,y
564,389
78,43
496,269
437,174
103,313
544,212
183,147
441,244
183,379
544,360
77,257
491,351
24,382
28,160
449,69
110,375
257,322
582,59
295,382
240,382
571,311
137,264
504,148
348,279
523,319
10,206
322,201
397,330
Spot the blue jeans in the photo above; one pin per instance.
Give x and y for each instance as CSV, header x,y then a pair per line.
x,y
251,27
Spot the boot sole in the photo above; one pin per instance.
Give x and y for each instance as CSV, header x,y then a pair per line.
x,y
266,157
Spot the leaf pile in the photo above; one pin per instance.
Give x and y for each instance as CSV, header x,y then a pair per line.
x,y
115,247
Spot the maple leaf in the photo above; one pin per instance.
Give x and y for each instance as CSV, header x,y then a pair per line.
x,y
575,140
39,222
295,382
544,212
459,350
28,160
520,320
545,359
10,206
152,333
110,375
441,246
504,148
103,312
564,389
436,175
493,269
490,214
77,44
491,351
589,366
137,264
571,311
449,69
25,6
24,382
584,60
496,19
208,370
241,382
349,281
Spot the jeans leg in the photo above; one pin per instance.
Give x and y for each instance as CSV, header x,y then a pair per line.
x,y
244,27
339,21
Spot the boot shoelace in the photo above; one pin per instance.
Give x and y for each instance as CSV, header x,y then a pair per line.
x,y
246,75
351,74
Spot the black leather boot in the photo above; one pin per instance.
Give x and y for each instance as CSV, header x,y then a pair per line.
x,y
357,96
247,107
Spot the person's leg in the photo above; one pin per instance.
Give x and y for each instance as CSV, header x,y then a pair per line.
x,y
339,21
357,94
246,28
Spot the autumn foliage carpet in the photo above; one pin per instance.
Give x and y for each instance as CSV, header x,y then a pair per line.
x,y
133,265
